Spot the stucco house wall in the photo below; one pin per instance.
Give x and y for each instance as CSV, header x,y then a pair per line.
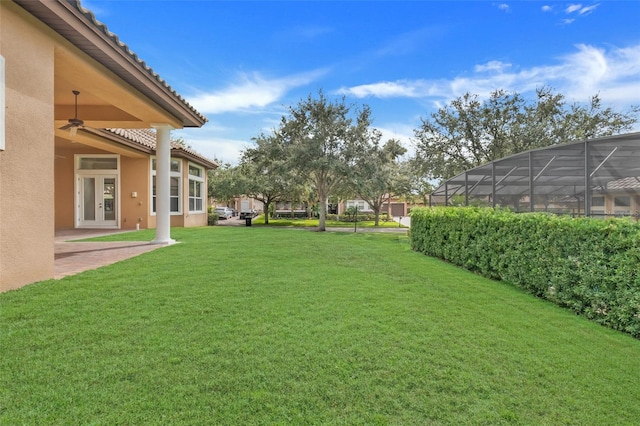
x,y
134,178
52,51
26,164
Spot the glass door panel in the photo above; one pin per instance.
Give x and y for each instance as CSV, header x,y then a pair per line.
x,y
99,201
109,199
89,198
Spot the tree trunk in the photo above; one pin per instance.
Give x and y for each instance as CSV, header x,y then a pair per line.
x,y
322,208
266,213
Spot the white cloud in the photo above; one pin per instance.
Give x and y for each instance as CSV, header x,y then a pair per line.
x,y
503,6
547,8
496,66
252,92
581,10
386,89
588,9
402,132
207,142
614,73
573,8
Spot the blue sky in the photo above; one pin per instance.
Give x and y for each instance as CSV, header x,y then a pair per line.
x,y
242,63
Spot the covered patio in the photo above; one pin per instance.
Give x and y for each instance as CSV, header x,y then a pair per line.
x,y
73,256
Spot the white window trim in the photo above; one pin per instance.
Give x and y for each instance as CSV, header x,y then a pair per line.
x,y
202,192
363,206
172,174
79,173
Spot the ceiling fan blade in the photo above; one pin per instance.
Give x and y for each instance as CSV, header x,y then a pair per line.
x,y
66,126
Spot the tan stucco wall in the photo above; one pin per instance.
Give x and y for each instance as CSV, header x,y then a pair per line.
x,y
134,177
26,165
64,173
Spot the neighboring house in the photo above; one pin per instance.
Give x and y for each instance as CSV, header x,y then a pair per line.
x,y
240,204
243,204
393,208
617,198
290,209
59,168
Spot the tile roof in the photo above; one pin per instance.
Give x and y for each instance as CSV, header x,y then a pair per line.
x,y
147,138
116,40
632,182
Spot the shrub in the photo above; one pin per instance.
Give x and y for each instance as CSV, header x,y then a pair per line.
x,y
362,217
588,265
212,219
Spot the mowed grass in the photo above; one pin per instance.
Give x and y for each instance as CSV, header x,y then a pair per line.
x,y
243,326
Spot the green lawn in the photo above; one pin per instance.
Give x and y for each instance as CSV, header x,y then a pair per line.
x,y
256,325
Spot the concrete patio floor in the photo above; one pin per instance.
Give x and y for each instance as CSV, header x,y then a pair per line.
x,y
72,257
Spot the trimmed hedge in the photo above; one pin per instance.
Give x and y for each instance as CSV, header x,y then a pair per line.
x,y
362,217
591,266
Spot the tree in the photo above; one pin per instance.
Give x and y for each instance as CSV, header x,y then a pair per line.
x,y
265,175
223,183
322,139
468,132
417,187
376,172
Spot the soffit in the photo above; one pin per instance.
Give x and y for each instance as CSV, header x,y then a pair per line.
x,y
112,80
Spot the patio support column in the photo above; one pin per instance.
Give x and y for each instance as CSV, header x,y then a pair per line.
x,y
163,183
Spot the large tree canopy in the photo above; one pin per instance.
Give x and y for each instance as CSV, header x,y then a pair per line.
x,y
469,132
322,138
377,176
223,183
265,172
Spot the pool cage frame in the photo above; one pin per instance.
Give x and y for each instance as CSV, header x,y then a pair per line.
x,y
553,179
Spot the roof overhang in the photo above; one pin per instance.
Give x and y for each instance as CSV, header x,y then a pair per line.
x,y
117,88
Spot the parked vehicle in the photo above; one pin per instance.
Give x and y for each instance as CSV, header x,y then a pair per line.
x,y
224,212
248,214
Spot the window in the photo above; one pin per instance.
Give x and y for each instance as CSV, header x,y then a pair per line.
x,y
624,201
597,201
196,188
362,205
174,186
98,163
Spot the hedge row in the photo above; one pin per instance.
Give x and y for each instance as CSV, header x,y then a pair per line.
x,y
591,266
362,217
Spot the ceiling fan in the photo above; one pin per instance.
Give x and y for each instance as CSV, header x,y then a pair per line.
x,y
74,122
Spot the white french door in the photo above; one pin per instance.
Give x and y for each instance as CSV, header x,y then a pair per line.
x,y
98,200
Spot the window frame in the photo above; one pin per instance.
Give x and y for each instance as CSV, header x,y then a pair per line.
x,y
197,181
173,174
362,205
